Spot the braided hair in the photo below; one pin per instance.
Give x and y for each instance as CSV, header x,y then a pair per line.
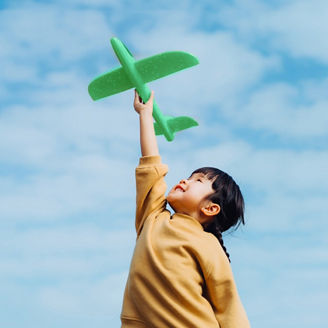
x,y
228,195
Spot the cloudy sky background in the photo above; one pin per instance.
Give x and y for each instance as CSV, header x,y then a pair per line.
x,y
67,163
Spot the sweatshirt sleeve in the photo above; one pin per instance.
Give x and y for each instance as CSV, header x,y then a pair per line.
x,y
223,295
151,188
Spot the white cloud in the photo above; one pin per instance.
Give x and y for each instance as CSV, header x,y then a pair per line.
x,y
283,109
264,169
54,143
95,3
79,302
62,254
46,149
283,273
226,67
103,297
50,31
81,270
58,195
295,27
40,37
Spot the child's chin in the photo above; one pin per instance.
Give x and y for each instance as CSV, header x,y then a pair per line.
x,y
170,201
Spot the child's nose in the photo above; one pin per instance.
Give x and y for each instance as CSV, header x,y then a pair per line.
x,y
183,181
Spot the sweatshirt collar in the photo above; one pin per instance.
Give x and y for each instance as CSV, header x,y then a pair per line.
x,y
187,217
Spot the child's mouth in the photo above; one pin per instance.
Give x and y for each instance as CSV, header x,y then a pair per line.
x,y
179,188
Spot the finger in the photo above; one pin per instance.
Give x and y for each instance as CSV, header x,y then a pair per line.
x,y
136,97
151,98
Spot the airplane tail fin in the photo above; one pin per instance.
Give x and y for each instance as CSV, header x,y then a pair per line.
x,y
175,124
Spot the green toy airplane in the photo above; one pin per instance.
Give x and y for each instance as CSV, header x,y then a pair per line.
x,y
135,74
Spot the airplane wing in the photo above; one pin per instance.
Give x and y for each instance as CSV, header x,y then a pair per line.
x,y
150,69
155,67
109,83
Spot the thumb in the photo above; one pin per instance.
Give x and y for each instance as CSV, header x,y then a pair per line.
x,y
151,98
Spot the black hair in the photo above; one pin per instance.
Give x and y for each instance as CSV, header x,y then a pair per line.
x,y
228,196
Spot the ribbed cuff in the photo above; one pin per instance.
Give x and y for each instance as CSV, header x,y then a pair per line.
x,y
150,160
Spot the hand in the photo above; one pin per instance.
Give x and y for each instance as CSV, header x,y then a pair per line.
x,y
140,106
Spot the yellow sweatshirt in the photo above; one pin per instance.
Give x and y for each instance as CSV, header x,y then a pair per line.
x,y
179,275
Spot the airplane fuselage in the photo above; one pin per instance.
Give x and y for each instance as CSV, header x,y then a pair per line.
x,y
127,61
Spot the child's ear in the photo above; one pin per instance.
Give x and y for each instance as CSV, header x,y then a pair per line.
x,y
211,209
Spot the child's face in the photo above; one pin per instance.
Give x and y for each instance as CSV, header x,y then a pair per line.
x,y
190,195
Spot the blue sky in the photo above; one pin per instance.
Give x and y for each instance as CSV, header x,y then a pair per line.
x,y
67,163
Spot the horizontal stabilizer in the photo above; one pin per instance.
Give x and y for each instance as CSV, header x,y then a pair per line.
x,y
109,83
166,63
175,124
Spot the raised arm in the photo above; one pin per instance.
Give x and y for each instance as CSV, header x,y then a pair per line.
x,y
148,142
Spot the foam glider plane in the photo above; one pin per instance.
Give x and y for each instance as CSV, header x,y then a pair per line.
x,y
136,73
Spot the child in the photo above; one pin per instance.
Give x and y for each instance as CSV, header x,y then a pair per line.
x,y
180,276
